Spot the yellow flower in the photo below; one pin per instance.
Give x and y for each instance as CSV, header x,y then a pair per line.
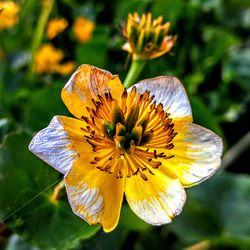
x,y
48,60
8,14
139,141
56,26
83,29
147,38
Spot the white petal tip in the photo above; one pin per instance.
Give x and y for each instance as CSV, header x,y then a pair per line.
x,y
51,145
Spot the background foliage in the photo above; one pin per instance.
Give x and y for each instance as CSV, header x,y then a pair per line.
x,y
211,57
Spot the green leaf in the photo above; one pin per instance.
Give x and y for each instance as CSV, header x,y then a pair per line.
x,y
123,7
129,221
16,243
236,68
26,206
94,52
43,106
218,208
203,116
217,44
5,125
103,241
170,10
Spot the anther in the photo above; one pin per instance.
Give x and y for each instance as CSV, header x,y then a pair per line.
x,y
169,146
85,118
124,93
101,99
168,157
144,177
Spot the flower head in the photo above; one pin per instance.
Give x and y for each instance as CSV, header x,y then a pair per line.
x,y
48,60
139,141
56,26
8,14
147,38
83,29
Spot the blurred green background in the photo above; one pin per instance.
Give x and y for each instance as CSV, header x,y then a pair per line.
x,y
212,59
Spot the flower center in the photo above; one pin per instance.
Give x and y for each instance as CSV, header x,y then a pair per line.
x,y
124,131
131,131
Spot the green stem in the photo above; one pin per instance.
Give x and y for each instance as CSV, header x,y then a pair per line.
x,y
135,69
39,32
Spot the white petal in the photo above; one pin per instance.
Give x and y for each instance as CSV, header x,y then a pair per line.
x,y
201,157
156,201
51,145
70,86
86,202
169,91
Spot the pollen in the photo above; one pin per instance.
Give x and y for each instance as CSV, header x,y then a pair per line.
x,y
133,129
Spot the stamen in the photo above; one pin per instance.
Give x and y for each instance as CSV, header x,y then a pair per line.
x,y
124,101
122,136
143,176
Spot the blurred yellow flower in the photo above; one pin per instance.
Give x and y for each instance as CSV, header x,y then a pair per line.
x,y
48,60
8,14
56,26
147,38
2,54
140,142
83,29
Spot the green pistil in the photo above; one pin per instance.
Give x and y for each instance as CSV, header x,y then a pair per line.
x,y
136,134
146,137
117,116
109,129
132,117
124,132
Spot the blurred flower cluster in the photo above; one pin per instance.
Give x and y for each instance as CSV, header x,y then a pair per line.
x,y
83,29
8,14
48,60
56,26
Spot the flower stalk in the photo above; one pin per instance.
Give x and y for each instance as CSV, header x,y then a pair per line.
x,y
136,68
40,31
